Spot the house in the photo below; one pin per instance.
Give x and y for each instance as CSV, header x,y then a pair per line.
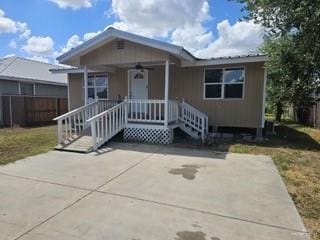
x,y
122,81
29,93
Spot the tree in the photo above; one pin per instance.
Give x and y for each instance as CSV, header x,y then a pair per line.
x,y
293,48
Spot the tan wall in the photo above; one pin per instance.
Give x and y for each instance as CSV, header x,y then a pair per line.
x,y
188,83
247,112
76,93
132,53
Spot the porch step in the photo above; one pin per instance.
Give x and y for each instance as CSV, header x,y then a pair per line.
x,y
189,130
82,144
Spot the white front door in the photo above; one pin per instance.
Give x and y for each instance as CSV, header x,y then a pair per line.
x,y
138,87
138,84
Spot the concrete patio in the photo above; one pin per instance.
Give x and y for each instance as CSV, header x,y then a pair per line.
x,y
136,191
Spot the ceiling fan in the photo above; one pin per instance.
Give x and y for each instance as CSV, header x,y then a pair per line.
x,y
142,68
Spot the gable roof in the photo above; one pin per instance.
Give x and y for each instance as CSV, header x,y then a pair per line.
x,y
21,69
188,60
112,33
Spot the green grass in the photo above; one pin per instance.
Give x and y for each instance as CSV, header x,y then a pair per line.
x,y
295,150
18,143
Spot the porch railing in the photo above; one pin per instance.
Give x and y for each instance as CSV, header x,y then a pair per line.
x,y
107,124
194,118
151,111
73,123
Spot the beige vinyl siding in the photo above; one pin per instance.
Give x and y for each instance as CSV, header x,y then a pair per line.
x,y
246,112
132,53
188,83
76,92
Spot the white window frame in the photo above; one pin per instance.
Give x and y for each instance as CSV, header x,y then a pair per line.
x,y
223,83
96,87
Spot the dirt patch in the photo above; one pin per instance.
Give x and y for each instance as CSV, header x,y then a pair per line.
x,y
187,235
187,171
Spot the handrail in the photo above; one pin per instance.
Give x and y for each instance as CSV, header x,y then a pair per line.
x,y
103,113
75,111
194,118
108,123
72,124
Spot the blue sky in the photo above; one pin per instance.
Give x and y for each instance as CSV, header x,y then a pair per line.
x,y
43,29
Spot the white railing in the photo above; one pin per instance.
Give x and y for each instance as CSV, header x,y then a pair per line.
x,y
73,123
194,118
146,110
173,111
152,111
107,124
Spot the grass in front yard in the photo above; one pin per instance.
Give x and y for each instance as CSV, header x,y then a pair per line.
x,y
295,150
18,143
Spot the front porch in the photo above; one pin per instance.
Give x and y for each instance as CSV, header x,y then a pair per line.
x,y
87,128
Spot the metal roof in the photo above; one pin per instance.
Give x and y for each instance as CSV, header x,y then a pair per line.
x,y
21,69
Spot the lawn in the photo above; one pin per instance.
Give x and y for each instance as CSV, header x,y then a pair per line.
x,y
19,143
295,150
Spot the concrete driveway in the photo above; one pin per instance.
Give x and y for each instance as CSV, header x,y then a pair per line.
x,y
135,191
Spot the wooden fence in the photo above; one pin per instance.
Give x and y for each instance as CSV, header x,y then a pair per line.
x,y
31,110
314,118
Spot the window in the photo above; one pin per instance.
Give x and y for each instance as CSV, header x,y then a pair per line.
x,y
26,89
225,83
97,87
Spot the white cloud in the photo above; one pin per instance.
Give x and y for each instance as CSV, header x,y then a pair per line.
x,y
40,59
72,42
8,25
13,44
238,39
9,55
39,46
74,4
155,18
90,35
184,23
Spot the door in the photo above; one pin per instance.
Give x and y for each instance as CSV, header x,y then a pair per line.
x,y
138,89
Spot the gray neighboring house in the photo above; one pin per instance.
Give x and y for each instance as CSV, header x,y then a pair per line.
x,y
23,79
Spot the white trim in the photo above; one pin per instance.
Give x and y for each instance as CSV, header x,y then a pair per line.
x,y
166,92
19,88
223,84
222,61
81,70
69,107
85,77
265,76
146,126
129,81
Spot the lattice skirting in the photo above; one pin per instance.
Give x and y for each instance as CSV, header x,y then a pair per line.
x,y
148,135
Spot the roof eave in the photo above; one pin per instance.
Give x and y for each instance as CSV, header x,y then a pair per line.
x,y
229,60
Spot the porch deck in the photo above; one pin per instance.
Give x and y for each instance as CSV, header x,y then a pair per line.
x,y
89,127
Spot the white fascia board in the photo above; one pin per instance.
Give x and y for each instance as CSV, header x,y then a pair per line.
x,y
222,61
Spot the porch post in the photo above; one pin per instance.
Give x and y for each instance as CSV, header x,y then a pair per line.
x,y
85,77
166,93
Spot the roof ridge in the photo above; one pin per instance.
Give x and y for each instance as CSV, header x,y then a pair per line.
x,y
14,58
